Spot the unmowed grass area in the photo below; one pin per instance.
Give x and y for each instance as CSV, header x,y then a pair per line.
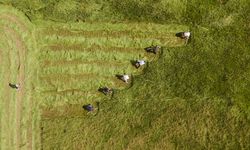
x,y
191,97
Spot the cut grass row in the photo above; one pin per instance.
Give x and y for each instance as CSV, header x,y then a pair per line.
x,y
84,82
53,99
10,118
90,56
105,33
111,27
103,70
116,42
6,116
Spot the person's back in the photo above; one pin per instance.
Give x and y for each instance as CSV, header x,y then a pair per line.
x,y
88,107
106,90
125,78
139,63
153,49
156,49
187,34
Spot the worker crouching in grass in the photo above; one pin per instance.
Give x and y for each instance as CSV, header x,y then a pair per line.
x,y
88,107
125,78
105,90
14,86
139,63
153,49
184,35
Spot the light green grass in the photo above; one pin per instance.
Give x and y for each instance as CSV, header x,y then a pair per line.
x,y
19,30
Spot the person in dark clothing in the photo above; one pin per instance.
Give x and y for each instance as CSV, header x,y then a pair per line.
x,y
153,49
88,107
106,90
14,86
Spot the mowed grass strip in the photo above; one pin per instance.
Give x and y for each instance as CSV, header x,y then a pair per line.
x,y
105,33
112,27
5,140
91,48
52,99
65,111
123,41
85,82
11,122
90,55
49,63
105,69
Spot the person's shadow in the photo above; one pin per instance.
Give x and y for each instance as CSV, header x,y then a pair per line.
x,y
133,62
180,35
118,76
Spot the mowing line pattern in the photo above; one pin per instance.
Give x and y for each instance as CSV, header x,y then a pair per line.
x,y
77,59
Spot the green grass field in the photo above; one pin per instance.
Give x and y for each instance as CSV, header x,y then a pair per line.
x,y
194,96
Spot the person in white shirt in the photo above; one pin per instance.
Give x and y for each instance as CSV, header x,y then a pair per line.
x,y
139,63
183,35
186,35
125,78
